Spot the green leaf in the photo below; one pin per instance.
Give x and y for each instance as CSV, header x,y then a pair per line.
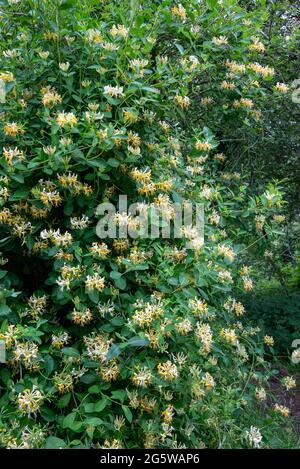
x,y
113,352
69,420
93,296
180,48
150,89
20,194
95,389
94,421
137,342
88,378
70,352
68,208
64,400
48,414
138,267
113,162
52,442
115,274
48,364
121,283
127,413
100,405
18,177
4,310
89,407
119,394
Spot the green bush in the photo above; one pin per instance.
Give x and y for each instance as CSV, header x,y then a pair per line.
x,y
128,343
277,312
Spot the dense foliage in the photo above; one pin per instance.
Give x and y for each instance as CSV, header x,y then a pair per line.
x,y
132,342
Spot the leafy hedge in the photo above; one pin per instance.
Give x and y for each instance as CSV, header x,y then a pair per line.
x,y
128,343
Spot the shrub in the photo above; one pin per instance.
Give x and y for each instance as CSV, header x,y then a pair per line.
x,y
127,343
276,311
